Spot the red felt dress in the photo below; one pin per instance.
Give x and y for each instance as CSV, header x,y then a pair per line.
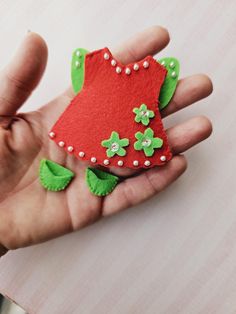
x,y
106,104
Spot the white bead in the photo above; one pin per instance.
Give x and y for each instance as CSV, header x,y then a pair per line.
x,y
118,70
106,56
113,62
163,158
81,154
173,74
61,144
172,65
52,134
120,163
136,67
135,163
93,159
146,142
77,53
127,71
115,147
163,63
70,149
147,163
77,64
106,162
145,64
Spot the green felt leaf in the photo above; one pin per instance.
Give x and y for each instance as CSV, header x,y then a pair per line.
x,y
100,182
78,69
53,176
171,80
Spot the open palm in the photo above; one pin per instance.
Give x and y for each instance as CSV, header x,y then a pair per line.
x,y
30,214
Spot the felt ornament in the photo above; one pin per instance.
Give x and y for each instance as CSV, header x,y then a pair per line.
x,y
53,176
99,182
169,86
115,104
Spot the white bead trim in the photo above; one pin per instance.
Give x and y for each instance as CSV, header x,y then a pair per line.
x,y
172,65
106,56
118,70
93,159
61,144
120,163
173,74
77,53
145,64
81,154
163,63
127,71
147,163
70,149
163,158
52,134
77,64
135,163
106,162
113,62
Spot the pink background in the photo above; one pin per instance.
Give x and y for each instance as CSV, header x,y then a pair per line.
x,y
177,252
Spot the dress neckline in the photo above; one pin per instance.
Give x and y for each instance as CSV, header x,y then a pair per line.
x,y
148,58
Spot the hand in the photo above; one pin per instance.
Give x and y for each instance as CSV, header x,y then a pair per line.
x,y
30,214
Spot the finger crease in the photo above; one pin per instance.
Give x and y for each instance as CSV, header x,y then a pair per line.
x,y
152,185
128,194
20,85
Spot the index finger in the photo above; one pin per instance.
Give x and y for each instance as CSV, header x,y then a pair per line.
x,y
148,42
21,76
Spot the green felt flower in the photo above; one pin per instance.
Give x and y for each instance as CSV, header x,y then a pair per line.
x,y
143,114
146,142
115,145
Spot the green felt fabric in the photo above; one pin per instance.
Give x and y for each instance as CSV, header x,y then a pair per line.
x,y
143,114
78,69
53,176
115,145
100,182
147,142
171,80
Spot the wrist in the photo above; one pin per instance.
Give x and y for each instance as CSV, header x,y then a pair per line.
x,y
3,250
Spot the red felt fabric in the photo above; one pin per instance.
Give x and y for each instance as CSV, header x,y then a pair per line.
x,y
106,103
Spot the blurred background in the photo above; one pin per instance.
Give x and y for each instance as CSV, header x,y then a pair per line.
x,y
8,307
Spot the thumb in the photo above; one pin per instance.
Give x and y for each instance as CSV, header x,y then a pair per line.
x,y
22,74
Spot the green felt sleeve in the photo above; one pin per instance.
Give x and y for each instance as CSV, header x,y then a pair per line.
x,y
78,69
100,182
169,86
53,176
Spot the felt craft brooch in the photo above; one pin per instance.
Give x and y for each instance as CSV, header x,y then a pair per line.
x,y
114,120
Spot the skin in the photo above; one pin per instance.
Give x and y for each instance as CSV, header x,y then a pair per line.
x,y
30,214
